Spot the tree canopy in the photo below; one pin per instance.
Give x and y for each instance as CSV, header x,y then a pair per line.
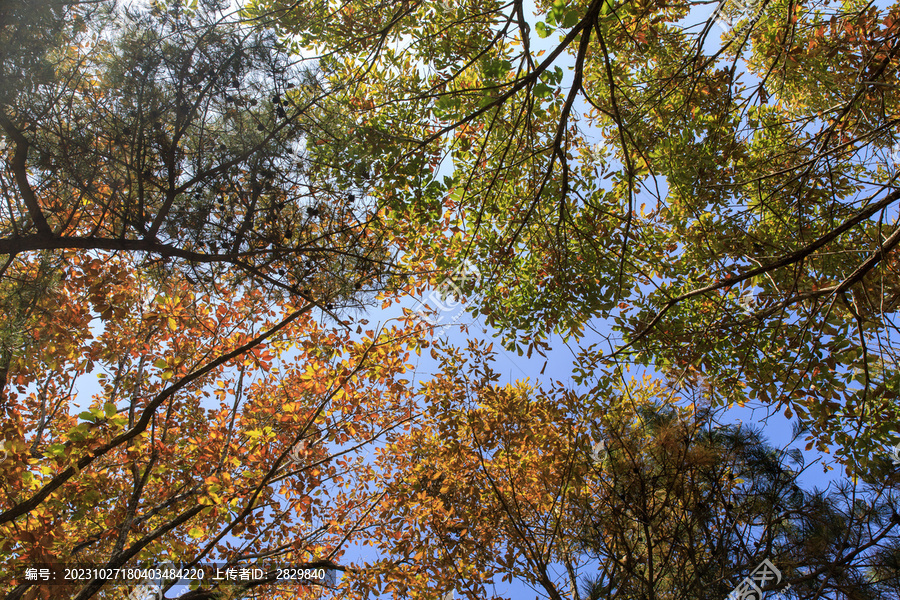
x,y
204,209
725,206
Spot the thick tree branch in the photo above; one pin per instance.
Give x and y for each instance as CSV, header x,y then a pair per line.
x,y
20,170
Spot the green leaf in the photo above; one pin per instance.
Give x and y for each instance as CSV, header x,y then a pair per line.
x,y
558,74
571,19
56,449
606,8
110,409
542,90
542,29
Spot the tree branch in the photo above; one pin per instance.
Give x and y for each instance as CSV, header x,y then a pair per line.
x,y
19,162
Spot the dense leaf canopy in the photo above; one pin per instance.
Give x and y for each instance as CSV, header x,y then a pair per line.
x,y
724,202
203,208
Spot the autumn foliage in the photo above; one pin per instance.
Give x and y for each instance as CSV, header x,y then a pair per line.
x,y
214,223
